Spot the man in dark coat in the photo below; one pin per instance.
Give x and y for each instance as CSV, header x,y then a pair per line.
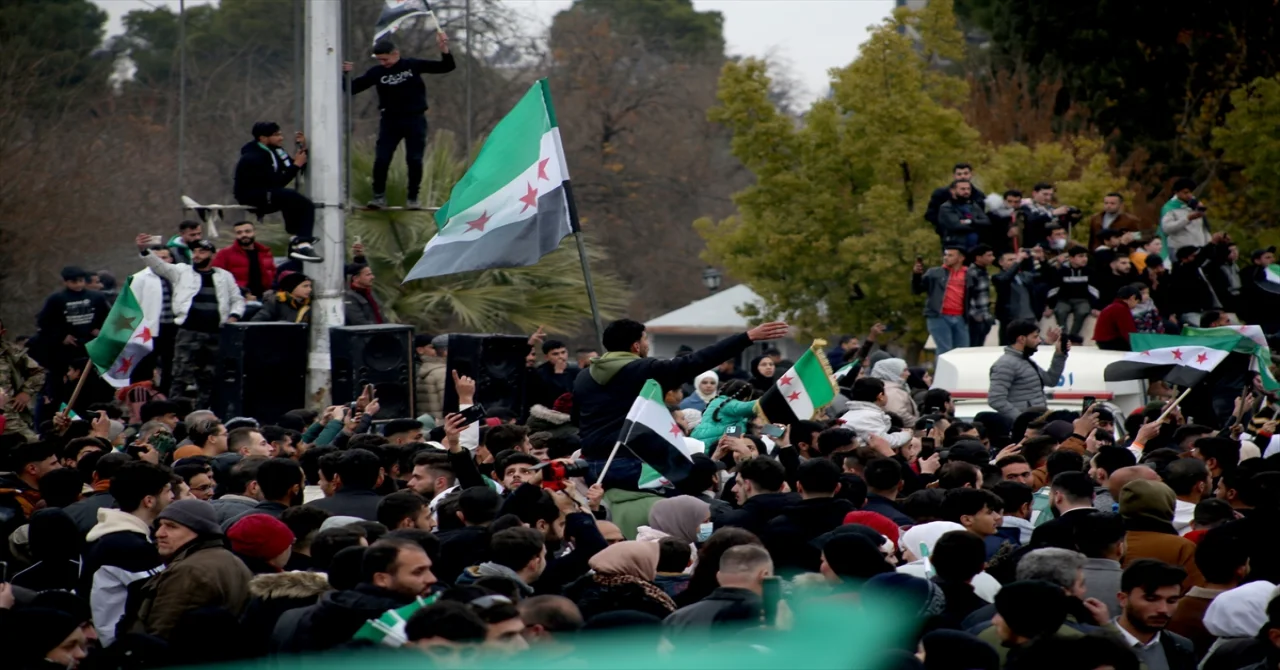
x,y
604,392
263,171
788,536
393,573
759,496
359,472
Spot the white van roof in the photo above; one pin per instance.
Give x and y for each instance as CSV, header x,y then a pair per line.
x,y
966,374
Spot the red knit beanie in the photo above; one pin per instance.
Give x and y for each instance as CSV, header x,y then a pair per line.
x,y
260,536
564,404
877,522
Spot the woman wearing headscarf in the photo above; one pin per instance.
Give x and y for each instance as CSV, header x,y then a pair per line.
x,y
685,518
704,390
893,372
733,407
762,373
621,578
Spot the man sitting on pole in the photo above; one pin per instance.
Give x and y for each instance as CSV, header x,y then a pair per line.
x,y
402,99
263,171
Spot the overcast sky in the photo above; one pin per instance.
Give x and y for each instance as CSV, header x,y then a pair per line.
x,y
809,36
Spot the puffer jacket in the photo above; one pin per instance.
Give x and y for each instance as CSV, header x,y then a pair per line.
x,y
730,412
868,418
430,388
1017,383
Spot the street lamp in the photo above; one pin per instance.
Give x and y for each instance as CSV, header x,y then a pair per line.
x,y
711,279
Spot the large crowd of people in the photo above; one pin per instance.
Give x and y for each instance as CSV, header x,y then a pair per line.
x,y
1131,276
141,529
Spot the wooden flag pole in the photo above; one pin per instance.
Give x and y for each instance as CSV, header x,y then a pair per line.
x,y
1168,409
75,395
586,271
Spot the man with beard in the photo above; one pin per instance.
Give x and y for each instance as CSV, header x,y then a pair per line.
x,y
1017,382
248,261
204,298
1149,593
263,171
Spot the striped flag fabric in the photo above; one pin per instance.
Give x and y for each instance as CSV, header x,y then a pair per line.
x,y
655,438
388,629
512,207
1247,340
399,14
800,392
1177,365
128,334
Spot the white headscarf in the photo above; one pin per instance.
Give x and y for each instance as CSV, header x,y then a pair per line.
x,y
697,385
889,370
926,535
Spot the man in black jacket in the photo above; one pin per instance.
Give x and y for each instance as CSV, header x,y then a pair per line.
x,y
402,99
604,392
759,495
789,536
393,573
961,172
263,171
732,607
359,472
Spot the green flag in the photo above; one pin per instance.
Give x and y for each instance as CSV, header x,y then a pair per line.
x,y
1248,340
512,207
126,337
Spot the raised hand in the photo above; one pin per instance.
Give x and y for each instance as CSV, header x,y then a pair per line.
x,y
774,330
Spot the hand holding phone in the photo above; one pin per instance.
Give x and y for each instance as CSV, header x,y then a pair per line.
x,y
472,414
772,431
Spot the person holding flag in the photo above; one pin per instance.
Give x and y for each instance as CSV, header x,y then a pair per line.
x,y
402,100
604,392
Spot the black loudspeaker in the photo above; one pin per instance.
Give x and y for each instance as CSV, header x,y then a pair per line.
x,y
262,370
381,355
496,362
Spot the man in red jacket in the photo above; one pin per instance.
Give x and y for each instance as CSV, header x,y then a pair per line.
x,y
1114,324
251,263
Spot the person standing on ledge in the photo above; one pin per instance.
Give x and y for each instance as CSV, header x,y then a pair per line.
x,y
402,99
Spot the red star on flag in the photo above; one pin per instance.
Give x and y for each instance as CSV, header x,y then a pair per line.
x,y
675,430
530,199
1177,354
126,364
478,223
1202,357
795,395
542,169
1146,353
785,381
145,335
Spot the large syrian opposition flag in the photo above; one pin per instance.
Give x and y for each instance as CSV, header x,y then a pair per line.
x,y
129,332
402,14
510,208
1247,340
655,438
800,392
1178,365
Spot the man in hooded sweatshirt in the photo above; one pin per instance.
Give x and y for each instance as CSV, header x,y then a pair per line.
x,y
604,392
263,171
119,550
1147,510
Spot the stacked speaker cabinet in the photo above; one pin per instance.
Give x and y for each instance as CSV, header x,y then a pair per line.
x,y
381,355
496,363
262,371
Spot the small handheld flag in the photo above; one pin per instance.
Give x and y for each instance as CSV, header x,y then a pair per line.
x,y
402,14
801,391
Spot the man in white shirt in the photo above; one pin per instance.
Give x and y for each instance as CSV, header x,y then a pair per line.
x,y
1190,480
